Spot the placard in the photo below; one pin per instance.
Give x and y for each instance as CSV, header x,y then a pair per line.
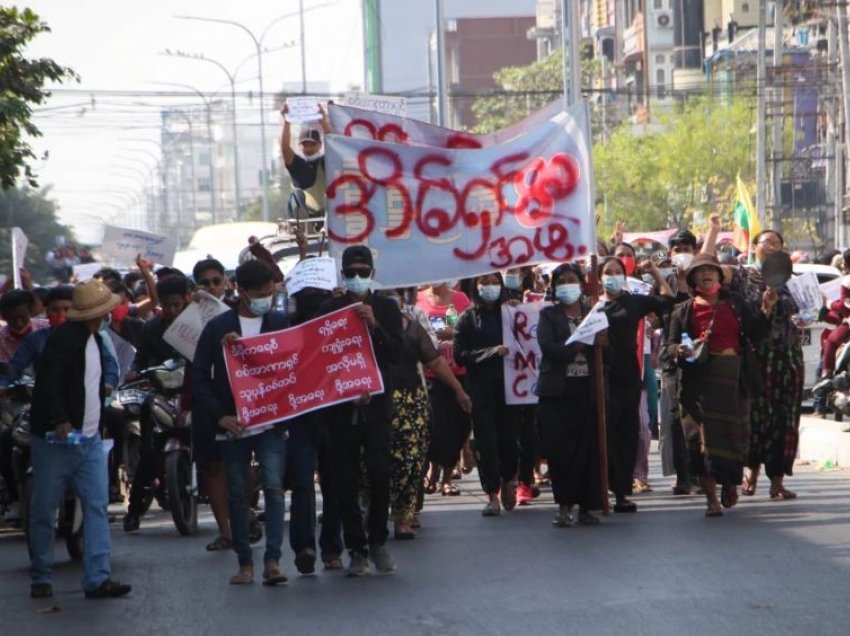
x,y
124,245
831,290
183,334
805,291
86,271
522,364
19,254
282,374
302,109
319,272
593,323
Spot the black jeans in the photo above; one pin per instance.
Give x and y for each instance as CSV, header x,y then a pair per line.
x,y
7,470
146,468
527,415
352,429
496,429
623,420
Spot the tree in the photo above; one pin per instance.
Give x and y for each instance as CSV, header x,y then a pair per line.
x,y
679,171
21,86
35,214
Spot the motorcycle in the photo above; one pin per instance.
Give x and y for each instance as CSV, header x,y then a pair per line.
x,y
69,520
175,483
837,388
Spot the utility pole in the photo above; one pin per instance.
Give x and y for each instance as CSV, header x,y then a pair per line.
x,y
570,35
830,105
303,55
439,13
761,86
778,109
844,47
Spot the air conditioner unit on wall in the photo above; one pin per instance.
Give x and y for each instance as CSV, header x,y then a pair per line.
x,y
663,20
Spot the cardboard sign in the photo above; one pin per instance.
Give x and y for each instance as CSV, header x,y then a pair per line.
x,y
86,271
519,335
389,105
592,324
805,291
831,289
19,253
638,287
124,244
319,272
183,334
302,109
279,375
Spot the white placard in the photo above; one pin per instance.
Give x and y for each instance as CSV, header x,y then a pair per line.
x,y
124,244
831,290
592,324
19,253
185,331
805,291
301,109
86,271
388,104
317,272
638,287
522,364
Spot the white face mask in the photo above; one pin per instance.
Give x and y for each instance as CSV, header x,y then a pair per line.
x,y
682,261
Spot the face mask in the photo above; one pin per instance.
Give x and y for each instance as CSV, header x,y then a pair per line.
x,y
629,263
666,272
568,293
489,293
357,286
682,260
648,279
260,306
614,284
711,292
513,281
120,313
56,319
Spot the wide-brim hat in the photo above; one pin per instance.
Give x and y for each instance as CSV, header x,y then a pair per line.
x,y
92,299
702,260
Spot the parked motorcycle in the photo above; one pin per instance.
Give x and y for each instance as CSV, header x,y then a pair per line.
x,y
837,388
175,484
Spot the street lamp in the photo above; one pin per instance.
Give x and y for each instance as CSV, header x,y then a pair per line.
x,y
198,56
258,44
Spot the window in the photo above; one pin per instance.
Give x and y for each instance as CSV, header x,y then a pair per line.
x,y
660,80
658,4
659,59
745,7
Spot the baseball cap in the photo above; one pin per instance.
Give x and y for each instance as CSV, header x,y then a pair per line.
x,y
357,254
310,133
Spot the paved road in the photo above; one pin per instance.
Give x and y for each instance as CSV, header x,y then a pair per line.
x,y
764,568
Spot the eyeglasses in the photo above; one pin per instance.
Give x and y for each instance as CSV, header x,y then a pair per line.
x,y
215,281
362,272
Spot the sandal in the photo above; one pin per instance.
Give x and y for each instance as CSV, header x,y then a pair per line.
x,y
273,575
332,562
449,490
585,518
712,511
625,506
430,486
782,494
415,523
748,488
221,543
728,495
492,509
403,531
242,578
563,520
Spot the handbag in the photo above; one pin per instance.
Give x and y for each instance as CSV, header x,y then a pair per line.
x,y
700,354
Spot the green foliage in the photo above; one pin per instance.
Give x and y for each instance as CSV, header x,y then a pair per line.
x,y
35,214
21,86
679,171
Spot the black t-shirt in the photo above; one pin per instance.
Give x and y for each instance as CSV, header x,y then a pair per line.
x,y
624,315
304,172
416,347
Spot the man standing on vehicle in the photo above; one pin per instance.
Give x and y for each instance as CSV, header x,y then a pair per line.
x,y
307,170
66,421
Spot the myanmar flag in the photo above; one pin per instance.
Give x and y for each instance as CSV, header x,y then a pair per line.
x,y
746,222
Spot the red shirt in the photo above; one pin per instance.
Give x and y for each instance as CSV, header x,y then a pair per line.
x,y
725,333
438,313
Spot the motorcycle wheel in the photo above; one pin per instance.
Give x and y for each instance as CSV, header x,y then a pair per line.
x,y
183,502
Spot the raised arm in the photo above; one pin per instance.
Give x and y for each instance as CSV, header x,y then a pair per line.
x,y
286,139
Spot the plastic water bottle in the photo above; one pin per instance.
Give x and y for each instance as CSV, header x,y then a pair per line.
x,y
451,316
74,438
689,344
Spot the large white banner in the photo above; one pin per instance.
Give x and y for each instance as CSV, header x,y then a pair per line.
x,y
432,214
522,364
386,104
378,124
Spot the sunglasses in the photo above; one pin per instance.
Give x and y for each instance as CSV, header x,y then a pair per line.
x,y
214,281
351,272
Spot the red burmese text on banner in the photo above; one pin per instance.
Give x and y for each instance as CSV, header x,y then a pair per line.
x,y
278,375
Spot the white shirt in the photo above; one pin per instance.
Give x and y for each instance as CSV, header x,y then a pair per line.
x,y
250,326
91,380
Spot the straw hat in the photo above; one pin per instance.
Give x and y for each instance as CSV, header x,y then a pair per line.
x,y
92,299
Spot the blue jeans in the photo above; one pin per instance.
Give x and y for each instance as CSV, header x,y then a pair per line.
x,y
270,450
84,467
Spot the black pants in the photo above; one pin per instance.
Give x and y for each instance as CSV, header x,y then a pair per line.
x,y
352,430
496,429
450,426
7,469
623,420
527,415
146,468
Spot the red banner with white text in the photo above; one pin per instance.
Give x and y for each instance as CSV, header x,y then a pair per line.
x,y
282,374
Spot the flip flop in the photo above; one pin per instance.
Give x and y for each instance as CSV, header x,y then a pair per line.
x,y
587,519
713,512
221,543
782,494
242,578
274,576
450,490
728,495
748,488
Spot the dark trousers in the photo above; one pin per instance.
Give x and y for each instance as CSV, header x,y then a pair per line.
x,y
527,416
623,420
496,429
450,426
146,468
7,470
307,447
352,430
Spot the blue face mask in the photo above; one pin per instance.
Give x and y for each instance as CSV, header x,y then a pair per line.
x,y
614,284
489,293
357,286
568,293
513,281
666,272
260,306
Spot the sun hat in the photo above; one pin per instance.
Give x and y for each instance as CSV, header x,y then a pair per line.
x,y
92,299
702,260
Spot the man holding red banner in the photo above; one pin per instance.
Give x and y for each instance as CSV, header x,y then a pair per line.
x,y
365,423
251,317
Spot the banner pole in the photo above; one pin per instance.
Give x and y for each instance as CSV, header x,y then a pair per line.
x,y
599,380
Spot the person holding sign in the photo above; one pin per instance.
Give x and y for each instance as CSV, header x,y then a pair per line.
x,y
478,347
567,423
211,387
306,170
362,428
625,313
